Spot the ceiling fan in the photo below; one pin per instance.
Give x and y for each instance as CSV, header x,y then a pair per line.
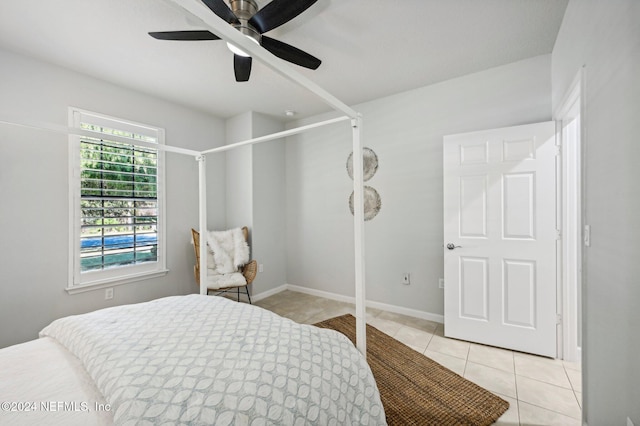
x,y
252,22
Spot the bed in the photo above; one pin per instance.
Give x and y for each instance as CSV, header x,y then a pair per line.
x,y
187,360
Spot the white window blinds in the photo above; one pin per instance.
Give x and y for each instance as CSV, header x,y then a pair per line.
x,y
119,204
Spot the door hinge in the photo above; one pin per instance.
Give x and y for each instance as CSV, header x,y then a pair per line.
x,y
558,150
558,318
558,234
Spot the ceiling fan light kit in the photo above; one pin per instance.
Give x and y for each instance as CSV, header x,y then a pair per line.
x,y
244,10
237,51
252,22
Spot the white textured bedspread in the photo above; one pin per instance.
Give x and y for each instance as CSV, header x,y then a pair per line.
x,y
208,360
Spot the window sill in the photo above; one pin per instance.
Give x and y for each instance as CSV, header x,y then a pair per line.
x,y
112,282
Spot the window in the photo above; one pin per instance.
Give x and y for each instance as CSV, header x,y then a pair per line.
x,y
117,201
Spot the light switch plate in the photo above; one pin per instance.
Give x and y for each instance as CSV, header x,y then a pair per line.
x,y
587,235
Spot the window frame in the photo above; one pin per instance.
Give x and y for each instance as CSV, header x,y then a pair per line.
x,y
92,280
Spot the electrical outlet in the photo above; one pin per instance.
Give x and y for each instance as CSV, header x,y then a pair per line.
x,y
108,293
441,283
261,267
406,278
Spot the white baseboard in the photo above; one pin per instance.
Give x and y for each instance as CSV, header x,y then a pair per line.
x,y
263,295
321,293
406,311
370,303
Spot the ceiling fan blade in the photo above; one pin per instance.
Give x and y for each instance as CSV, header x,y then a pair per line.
x,y
289,53
220,8
278,12
184,35
242,67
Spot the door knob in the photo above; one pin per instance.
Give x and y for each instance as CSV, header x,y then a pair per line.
x,y
450,246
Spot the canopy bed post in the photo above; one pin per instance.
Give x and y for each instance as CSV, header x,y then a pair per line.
x,y
231,35
358,235
202,212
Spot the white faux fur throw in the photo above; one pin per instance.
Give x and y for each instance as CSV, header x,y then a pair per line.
x,y
229,250
219,281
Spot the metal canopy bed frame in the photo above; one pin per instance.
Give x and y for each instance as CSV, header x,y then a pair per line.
x,y
231,35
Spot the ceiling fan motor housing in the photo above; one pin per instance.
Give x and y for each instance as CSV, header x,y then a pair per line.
x,y
244,10
252,22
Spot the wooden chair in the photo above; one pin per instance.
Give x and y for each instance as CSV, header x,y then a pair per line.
x,y
248,270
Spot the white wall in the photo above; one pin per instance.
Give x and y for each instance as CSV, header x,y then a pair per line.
x,y
239,173
34,217
605,37
405,130
256,194
269,201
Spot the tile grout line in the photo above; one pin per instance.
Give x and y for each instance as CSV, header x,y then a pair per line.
x,y
547,408
554,411
466,361
515,380
573,387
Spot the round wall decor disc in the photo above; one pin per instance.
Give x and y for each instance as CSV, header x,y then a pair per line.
x,y
370,165
372,203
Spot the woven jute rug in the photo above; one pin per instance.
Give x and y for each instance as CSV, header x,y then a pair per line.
x,y
416,390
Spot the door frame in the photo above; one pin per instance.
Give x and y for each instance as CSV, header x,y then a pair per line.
x,y
570,220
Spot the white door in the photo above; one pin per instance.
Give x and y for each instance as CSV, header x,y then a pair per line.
x,y
500,237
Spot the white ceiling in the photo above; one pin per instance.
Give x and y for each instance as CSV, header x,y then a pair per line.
x,y
369,48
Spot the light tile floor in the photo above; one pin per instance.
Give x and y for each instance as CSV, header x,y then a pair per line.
x,y
540,391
